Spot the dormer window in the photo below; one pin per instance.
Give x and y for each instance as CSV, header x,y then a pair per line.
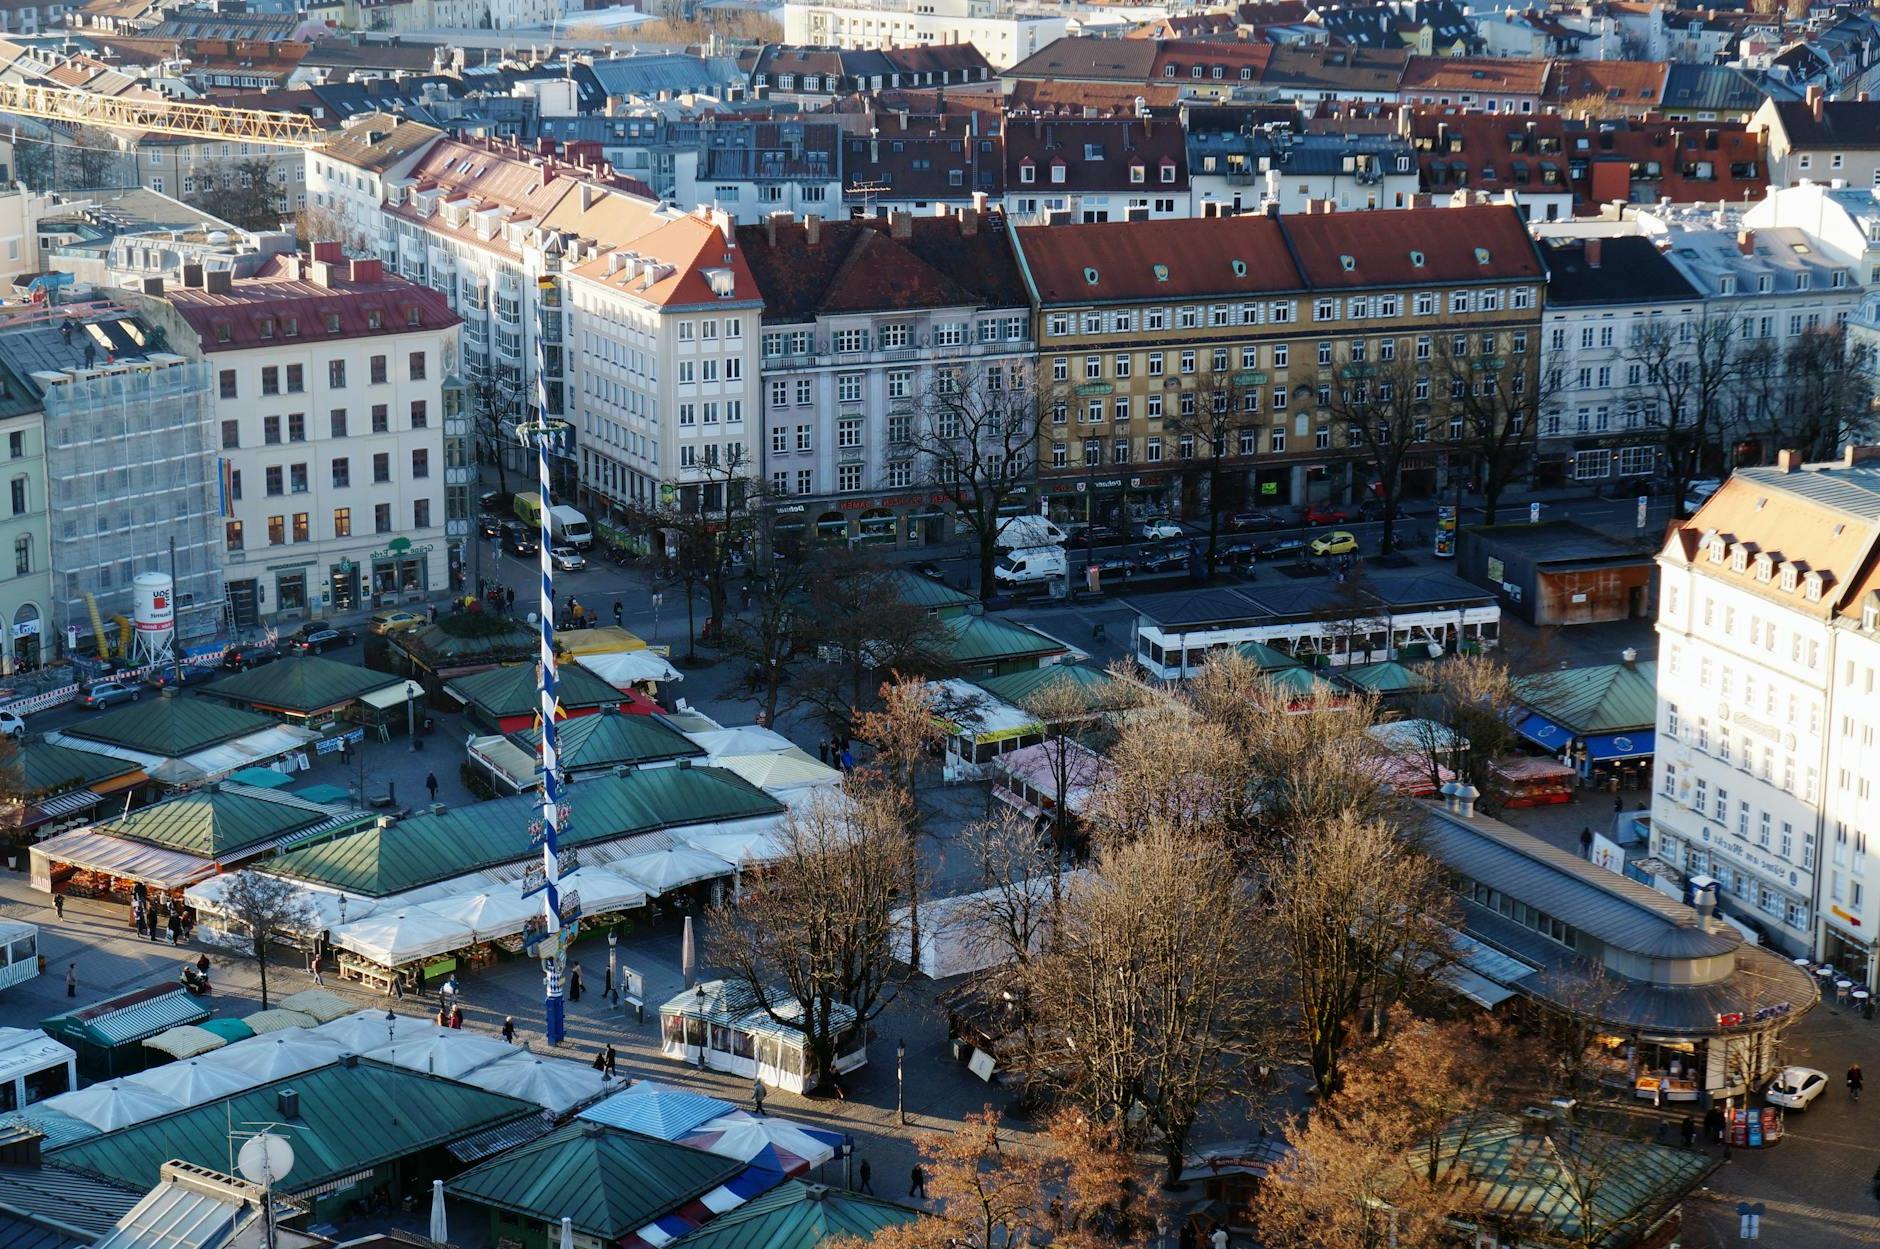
x,y
1790,575
290,327
1417,259
265,327
1812,586
1027,172
1057,172
1168,172
1739,558
1138,174
1713,546
332,322
1765,566
374,319
223,332
414,315
1870,617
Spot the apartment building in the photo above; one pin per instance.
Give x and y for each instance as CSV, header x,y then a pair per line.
x,y
1282,319
1815,138
867,324
26,579
749,168
1005,33
1093,171
329,413
347,177
664,347
1240,167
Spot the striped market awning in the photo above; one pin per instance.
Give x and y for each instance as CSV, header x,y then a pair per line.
x,y
480,1145
146,1019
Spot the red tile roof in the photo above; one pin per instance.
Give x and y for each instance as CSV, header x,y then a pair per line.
x,y
285,302
1638,86
1487,75
1043,145
1487,242
859,266
1184,55
688,249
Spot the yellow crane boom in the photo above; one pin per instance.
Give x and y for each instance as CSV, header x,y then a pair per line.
x,y
180,117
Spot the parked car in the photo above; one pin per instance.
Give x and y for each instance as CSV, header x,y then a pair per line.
x,y
566,559
1795,1087
109,694
1113,567
12,725
1280,548
313,641
1698,492
253,655
1163,559
1337,542
1158,530
170,674
1087,536
930,570
1316,515
393,620
1237,552
1255,519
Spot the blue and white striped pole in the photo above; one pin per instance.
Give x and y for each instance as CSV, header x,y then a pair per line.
x,y
556,1027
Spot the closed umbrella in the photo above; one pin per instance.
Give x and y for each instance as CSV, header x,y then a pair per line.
x,y
567,1232
688,956
437,1212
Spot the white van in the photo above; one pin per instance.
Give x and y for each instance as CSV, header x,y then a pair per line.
x,y
1017,532
1031,566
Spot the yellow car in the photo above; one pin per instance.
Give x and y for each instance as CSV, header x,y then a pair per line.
x,y
392,620
1338,542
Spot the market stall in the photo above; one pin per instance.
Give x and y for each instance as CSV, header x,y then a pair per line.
x,y
33,1067
780,769
1530,782
979,728
184,1041
88,864
19,952
108,1035
721,1024
279,1055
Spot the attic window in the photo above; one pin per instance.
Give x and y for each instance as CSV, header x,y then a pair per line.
x,y
265,327
414,315
1239,267
1869,617
1739,558
1714,545
290,327
332,322
1090,275
1347,263
1161,273
374,319
1790,575
1764,567
1418,259
1481,256
1812,587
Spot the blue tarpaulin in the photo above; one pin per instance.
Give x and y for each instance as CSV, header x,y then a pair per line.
x,y
1605,746
1543,732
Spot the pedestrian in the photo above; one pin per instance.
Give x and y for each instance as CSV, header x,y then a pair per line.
x,y
1713,1123
1689,1128
71,980
176,928
509,1029
430,783
313,965
58,905
917,1183
616,613
153,923
847,760
868,1179
822,750
600,1060
1586,843
1618,804
509,597
433,613
448,992
1219,1239
1854,1081
443,1015
456,1018
757,1098
613,1060
574,982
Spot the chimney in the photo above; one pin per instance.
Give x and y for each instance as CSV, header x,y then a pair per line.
x,y
1629,657
969,222
329,251
1448,792
1704,900
1788,461
901,225
1592,253
1860,97
287,1101
1746,242
1466,794
1862,454
1814,97
192,275
153,286
812,229
219,282
372,270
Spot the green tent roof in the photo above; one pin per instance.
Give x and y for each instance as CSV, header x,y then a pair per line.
x,y
42,768
301,684
988,639
1266,658
1389,677
426,848
611,739
516,690
1019,688
171,727
209,823
918,591
1606,698
610,1182
469,640
1297,682
796,1215
408,1113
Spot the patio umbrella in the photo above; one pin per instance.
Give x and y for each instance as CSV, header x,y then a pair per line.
x,y
368,1030
452,1055
393,939
439,1233
747,1137
185,1041
657,1110
553,1083
279,1055
323,1004
261,778
230,1030
324,794
494,913
688,955
662,871
113,1104
266,1021
194,1082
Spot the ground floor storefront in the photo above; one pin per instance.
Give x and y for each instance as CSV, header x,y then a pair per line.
x,y
396,571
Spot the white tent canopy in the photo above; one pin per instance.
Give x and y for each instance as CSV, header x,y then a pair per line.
x,y
96,852
193,1082
368,1031
748,739
552,1083
486,915
114,1104
748,843
662,871
621,669
780,769
323,901
392,695
452,1055
394,938
602,890
280,1054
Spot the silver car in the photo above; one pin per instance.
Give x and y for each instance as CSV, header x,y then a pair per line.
x,y
566,559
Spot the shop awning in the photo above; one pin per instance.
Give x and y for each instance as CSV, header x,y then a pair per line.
x,y
1543,732
393,695
62,805
147,1018
95,852
1602,747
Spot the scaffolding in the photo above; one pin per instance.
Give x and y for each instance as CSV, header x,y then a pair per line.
x,y
131,463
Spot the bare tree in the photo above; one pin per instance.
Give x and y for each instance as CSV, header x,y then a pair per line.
x,y
1148,1006
768,635
859,627
267,908
1688,370
1495,403
1211,418
1355,909
1384,407
1827,394
496,405
240,192
819,927
972,440
1068,713
1471,699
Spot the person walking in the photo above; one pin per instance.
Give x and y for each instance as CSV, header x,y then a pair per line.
x,y
1713,1123
430,783
574,982
153,923
1586,843
176,928
757,1098
1689,1128
1854,1081
613,1061
58,905
456,1018
509,597
868,1179
616,613
509,1029
600,1060
313,965
917,1183
71,980
448,993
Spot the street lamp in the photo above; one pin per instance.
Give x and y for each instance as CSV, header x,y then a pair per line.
x,y
900,1101
613,939
411,713
391,1024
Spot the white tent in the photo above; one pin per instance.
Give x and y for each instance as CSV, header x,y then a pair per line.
x,y
396,938
192,1082
748,739
662,871
748,843
744,1136
963,933
114,1104
603,891
496,913
779,769
279,1054
369,1031
324,902
552,1083
623,668
452,1055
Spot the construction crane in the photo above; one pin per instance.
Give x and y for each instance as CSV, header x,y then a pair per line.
x,y
181,117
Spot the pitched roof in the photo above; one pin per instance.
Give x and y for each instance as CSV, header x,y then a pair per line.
x,y
1823,522
1099,154
684,252
859,265
1485,75
1178,59
1075,58
41,768
1602,698
1371,71
1019,688
288,299
379,141
612,739
408,1113
918,591
1479,243
1622,270
796,1215
1845,125
516,690
212,822
172,727
989,639
300,684
1638,85
1226,256
610,1182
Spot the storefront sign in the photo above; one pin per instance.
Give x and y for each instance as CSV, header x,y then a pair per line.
x,y
1088,389
26,629
1843,915
1739,1019
1249,378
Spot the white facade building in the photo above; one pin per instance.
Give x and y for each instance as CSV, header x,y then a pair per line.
x,y
1004,33
347,176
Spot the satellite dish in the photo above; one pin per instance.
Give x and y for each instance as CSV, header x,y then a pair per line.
x,y
265,1159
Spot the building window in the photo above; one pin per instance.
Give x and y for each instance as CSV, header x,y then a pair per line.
x,y
421,462
417,366
342,473
342,522
420,414
277,531
232,535
376,370
382,467
336,374
226,380
296,379
296,427
381,518
381,419
421,513
270,380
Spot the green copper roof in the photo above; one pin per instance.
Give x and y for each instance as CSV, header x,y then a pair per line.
x,y
407,1112
988,639
301,684
1019,688
426,848
610,1182
209,823
796,1215
1297,682
918,591
516,690
469,640
1607,698
169,726
611,739
1389,677
1266,658
41,768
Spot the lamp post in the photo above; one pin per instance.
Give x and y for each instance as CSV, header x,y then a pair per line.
x,y
613,940
391,1025
411,713
900,1101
